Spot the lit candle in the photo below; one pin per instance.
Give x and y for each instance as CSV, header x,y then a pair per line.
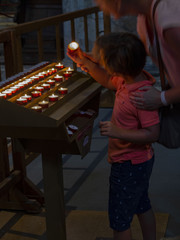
x,y
59,65
53,70
14,89
70,69
67,74
58,78
40,75
20,85
53,98
2,95
36,93
73,47
37,108
72,128
46,86
63,90
35,77
49,72
29,81
44,104
28,97
45,73
21,100
8,92
51,82
39,88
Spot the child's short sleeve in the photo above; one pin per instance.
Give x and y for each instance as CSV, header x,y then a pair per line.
x,y
148,118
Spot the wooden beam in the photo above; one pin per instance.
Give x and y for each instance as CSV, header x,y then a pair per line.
x,y
9,182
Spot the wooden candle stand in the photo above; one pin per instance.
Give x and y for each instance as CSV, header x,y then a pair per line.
x,y
45,133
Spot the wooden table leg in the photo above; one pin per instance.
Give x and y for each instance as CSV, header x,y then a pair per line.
x,y
54,196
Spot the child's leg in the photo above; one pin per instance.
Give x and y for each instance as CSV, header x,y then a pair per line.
x,y
148,225
125,235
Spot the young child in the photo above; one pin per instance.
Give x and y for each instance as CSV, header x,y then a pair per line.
x,y
117,63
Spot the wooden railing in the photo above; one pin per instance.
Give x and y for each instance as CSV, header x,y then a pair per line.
x,y
11,38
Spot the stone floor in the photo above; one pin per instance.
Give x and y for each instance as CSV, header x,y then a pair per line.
x,y
86,188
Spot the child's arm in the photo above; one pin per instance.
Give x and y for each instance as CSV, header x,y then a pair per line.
x,y
144,135
94,69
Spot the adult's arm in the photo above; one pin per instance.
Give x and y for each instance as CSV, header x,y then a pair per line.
x,y
150,99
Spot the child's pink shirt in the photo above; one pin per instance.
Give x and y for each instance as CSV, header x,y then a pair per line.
x,y
167,15
126,116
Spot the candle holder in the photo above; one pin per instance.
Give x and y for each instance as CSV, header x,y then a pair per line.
x,y
20,85
13,90
40,75
70,70
37,108
29,81
39,88
46,86
58,78
28,97
73,47
59,66
36,94
35,78
51,82
67,74
3,95
21,100
63,90
53,70
44,104
50,72
8,92
53,98
45,73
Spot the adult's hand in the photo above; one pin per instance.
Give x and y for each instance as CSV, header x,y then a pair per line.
x,y
147,98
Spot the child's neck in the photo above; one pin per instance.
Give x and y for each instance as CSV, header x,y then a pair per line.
x,y
130,80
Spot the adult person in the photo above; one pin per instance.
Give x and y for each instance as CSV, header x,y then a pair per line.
x,y
167,22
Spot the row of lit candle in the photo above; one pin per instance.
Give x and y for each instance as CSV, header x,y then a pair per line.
x,y
25,82
52,98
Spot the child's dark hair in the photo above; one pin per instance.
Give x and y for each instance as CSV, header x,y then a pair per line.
x,y
122,53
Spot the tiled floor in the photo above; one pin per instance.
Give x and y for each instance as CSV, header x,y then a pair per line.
x,y
86,189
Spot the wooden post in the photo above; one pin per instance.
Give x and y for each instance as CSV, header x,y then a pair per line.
x,y
107,23
54,196
4,159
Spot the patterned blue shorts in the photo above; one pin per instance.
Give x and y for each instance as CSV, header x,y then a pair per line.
x,y
128,193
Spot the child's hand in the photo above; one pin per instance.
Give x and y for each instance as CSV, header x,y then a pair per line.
x,y
79,58
107,128
76,57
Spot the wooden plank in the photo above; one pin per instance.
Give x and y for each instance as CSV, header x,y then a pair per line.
x,y
40,45
58,43
9,182
86,34
97,24
4,159
35,25
19,53
107,23
61,114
